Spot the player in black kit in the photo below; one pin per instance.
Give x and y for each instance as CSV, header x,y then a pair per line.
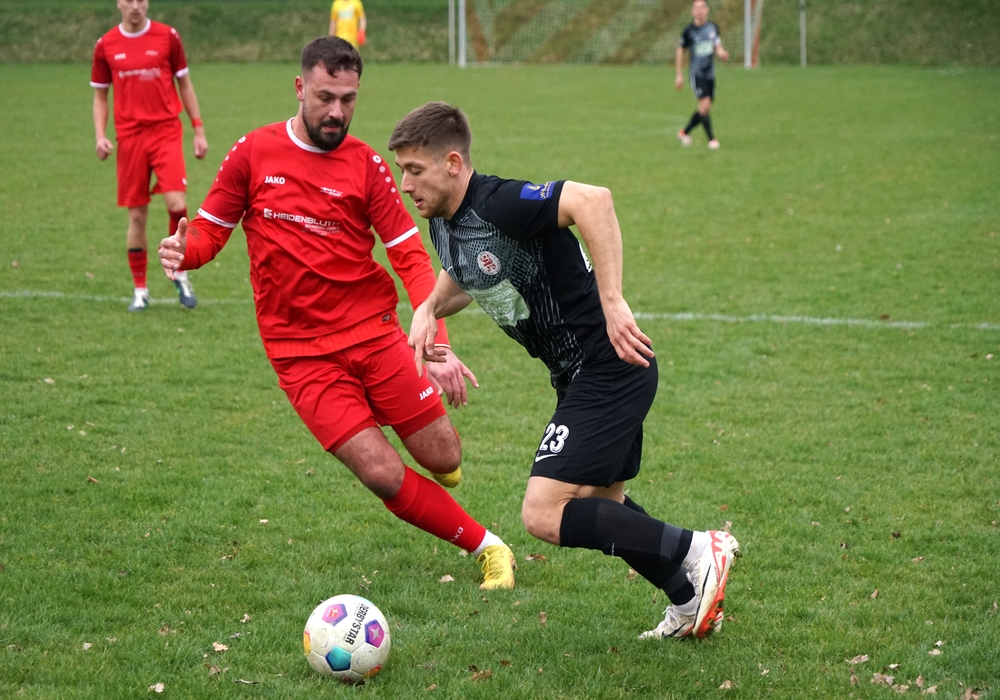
x,y
701,38
507,245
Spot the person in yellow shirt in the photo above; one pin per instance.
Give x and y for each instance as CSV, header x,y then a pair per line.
x,y
347,20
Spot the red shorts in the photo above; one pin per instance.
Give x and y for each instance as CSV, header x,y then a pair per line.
x,y
363,386
157,149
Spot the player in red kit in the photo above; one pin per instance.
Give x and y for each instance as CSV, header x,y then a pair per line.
x,y
141,59
308,195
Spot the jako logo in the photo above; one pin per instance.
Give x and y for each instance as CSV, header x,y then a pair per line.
x,y
119,57
426,392
273,180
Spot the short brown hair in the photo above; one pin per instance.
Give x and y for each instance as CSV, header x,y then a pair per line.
x,y
436,127
334,53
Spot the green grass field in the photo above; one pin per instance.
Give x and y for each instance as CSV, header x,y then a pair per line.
x,y
822,296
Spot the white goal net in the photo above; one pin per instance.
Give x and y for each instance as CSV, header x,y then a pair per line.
x,y
586,31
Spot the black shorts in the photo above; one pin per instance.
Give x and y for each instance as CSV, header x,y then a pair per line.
x,y
703,87
595,435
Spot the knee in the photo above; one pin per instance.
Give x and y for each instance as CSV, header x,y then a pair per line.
x,y
444,458
448,458
383,480
541,522
137,216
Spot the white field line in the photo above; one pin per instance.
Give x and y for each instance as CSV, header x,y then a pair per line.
x,y
21,294
640,315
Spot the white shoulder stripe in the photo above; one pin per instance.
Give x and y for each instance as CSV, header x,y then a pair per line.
x,y
99,85
400,239
216,220
182,72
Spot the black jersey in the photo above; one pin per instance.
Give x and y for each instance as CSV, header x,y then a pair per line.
x,y
504,247
701,42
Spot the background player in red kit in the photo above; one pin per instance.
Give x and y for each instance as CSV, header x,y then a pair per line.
x,y
308,195
141,59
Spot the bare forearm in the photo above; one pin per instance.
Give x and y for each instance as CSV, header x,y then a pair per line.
x,y
447,297
100,115
592,210
679,62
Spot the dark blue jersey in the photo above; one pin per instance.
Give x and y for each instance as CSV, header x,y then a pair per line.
x,y
700,43
504,247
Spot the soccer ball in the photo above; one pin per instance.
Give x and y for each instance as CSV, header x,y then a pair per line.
x,y
347,637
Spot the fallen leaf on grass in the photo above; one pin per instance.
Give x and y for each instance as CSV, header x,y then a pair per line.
x,y
87,645
535,557
854,678
724,507
917,560
92,480
874,595
880,679
901,688
727,685
939,643
50,380
930,691
164,630
859,659
893,667
244,682
934,652
246,618
482,675
505,663
896,534
158,688
213,670
727,526
447,578
432,686
632,573
263,521
542,618
970,694
219,646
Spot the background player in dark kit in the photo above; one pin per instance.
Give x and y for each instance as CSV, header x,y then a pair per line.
x,y
701,38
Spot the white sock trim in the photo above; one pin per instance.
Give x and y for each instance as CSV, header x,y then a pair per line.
x,y
489,539
700,542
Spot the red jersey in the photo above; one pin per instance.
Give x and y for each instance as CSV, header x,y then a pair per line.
x,y
308,215
142,67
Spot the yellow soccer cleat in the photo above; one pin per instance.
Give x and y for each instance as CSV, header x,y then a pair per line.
x,y
498,566
449,480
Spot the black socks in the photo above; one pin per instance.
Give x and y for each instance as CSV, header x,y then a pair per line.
x,y
653,548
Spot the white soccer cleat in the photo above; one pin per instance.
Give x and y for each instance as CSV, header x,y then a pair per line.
x,y
185,292
140,302
709,580
713,145
683,138
675,624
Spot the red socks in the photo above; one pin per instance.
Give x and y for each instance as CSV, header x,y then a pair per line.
x,y
137,264
425,504
175,219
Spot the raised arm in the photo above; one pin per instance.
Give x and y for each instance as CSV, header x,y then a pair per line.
x,y
190,100
592,210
